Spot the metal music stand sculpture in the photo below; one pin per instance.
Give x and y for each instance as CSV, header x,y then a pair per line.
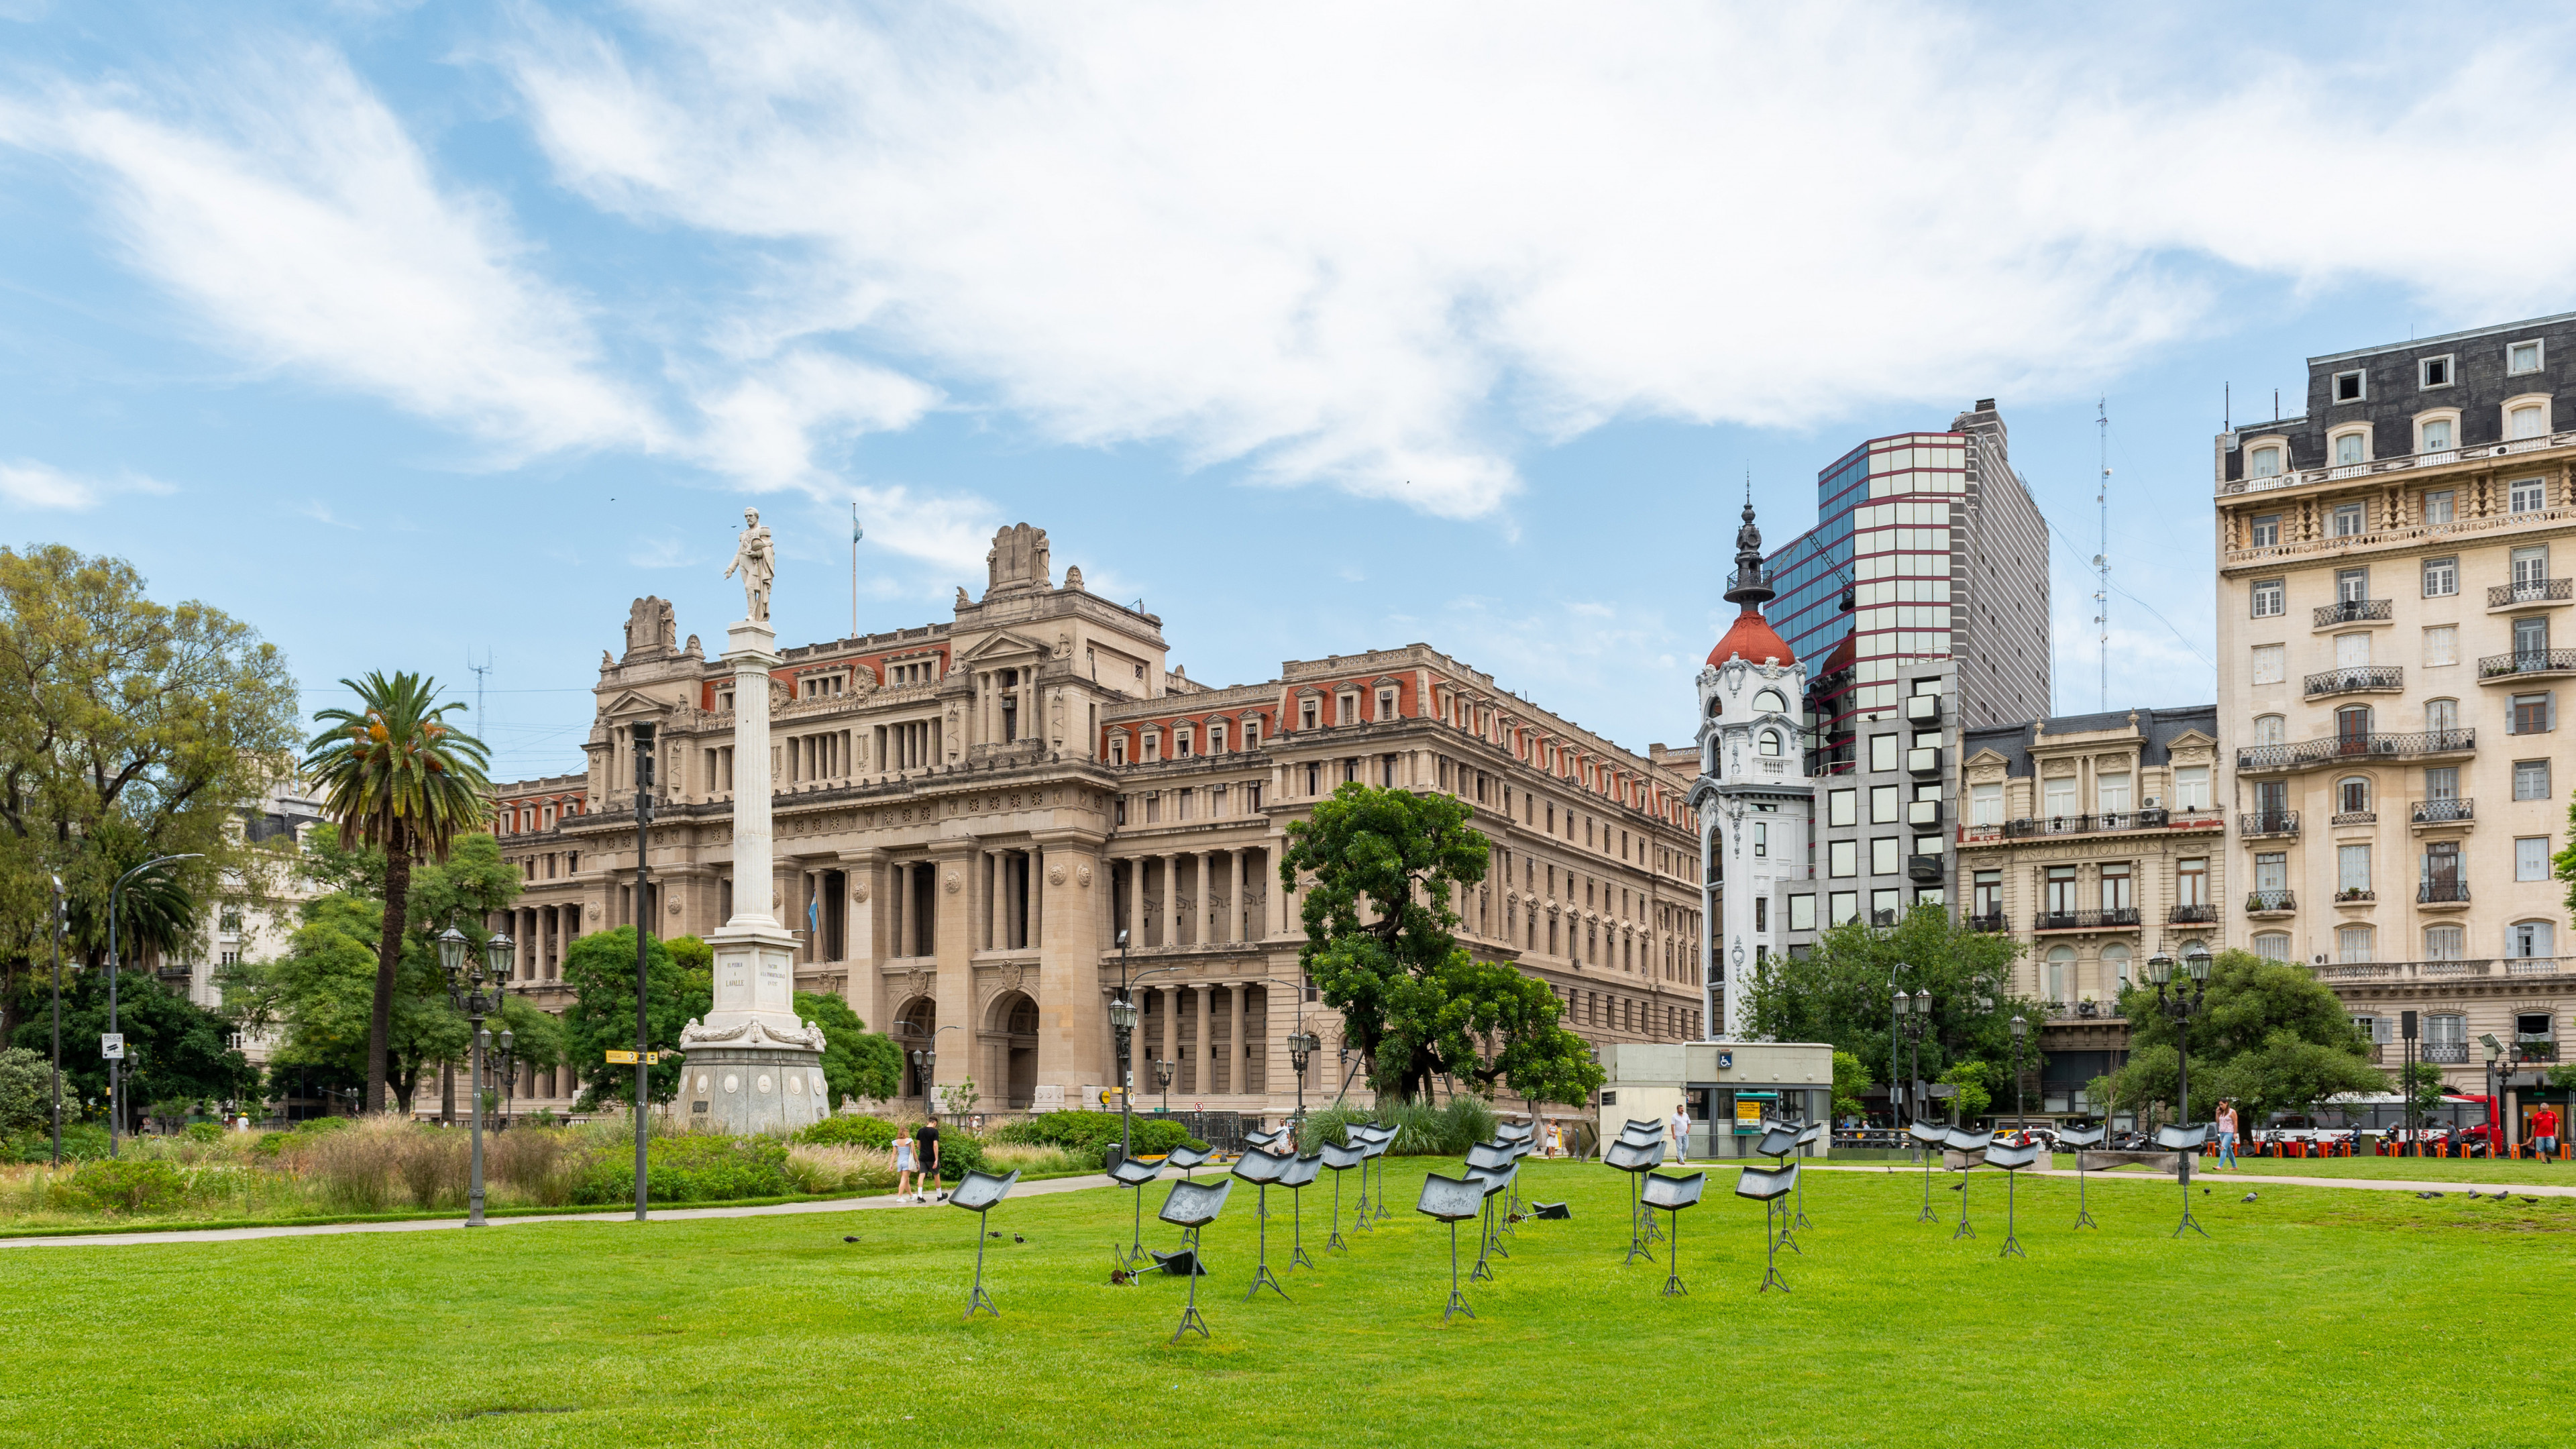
x,y
1522,1140
1635,1159
1639,1134
1266,1141
1450,1199
2012,1160
1262,1169
1133,1175
1188,1159
2080,1138
1341,1160
1929,1138
1300,1174
1769,1185
1779,1139
1965,1144
2185,1140
1498,1158
1192,1206
1672,1194
1384,1140
1807,1140
1494,1181
977,1192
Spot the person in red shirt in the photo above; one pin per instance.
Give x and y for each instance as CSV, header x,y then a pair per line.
x,y
2544,1131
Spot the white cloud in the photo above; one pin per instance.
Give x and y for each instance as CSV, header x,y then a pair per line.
x,y
763,429
26,483
1345,245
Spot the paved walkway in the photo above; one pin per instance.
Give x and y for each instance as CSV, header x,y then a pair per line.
x,y
415,1225
2213,1179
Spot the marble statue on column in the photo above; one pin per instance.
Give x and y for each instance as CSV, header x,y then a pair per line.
x,y
752,1065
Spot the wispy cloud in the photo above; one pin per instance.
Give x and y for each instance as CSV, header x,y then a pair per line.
x,y
320,512
26,483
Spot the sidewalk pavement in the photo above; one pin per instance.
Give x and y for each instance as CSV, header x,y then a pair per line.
x,y
2208,1178
627,1214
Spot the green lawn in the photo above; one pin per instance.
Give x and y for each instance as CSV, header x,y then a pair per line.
x,y
2411,1169
2312,1316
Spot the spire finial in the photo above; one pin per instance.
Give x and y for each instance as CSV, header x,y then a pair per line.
x,y
1751,586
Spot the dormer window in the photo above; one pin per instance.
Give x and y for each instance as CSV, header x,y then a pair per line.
x,y
2435,436
1153,743
1347,710
2264,462
2433,371
1386,704
1118,748
1181,743
2526,420
2521,357
1252,732
1770,701
1216,738
1306,715
2351,387
2352,447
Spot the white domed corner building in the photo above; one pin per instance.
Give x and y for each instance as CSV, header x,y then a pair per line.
x,y
1753,796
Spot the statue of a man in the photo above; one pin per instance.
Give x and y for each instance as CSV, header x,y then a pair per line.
x,y
757,558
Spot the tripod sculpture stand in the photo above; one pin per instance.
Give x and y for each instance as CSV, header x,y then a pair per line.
x,y
1496,1159
2080,1138
2012,1160
1768,1185
1450,1199
1133,1175
1379,1140
1779,1139
1341,1160
1262,1169
2186,1141
1191,1207
1970,1146
1672,1194
1493,1181
1927,1139
1635,1159
1300,1174
977,1192
1807,1140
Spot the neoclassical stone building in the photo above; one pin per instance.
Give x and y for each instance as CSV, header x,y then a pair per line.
x,y
971,814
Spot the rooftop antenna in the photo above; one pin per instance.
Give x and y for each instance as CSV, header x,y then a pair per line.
x,y
2102,560
2227,407
856,533
481,731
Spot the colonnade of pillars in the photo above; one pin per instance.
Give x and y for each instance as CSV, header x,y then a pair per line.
x,y
822,757
1216,1035
1196,898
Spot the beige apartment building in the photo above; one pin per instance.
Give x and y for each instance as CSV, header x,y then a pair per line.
x,y
970,813
2095,841
2395,642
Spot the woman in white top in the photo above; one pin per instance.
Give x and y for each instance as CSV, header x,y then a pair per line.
x,y
906,1163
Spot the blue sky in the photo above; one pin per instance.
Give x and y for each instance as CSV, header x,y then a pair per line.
x,y
417,335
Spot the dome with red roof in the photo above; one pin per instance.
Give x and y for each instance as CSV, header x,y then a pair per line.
x,y
1753,638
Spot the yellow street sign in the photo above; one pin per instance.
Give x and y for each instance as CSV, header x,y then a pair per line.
x,y
628,1058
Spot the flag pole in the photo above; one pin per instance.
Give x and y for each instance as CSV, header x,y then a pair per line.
x,y
854,571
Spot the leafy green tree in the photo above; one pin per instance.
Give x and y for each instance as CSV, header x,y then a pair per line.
x,y
26,1091
128,729
398,778
857,1062
600,971
1843,992
2269,1036
1851,1079
1384,866
2423,1089
175,1050
1973,1084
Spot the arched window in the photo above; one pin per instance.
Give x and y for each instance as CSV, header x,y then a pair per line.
x,y
2060,974
2351,446
1770,742
2352,795
2265,463
1771,702
2352,729
2115,969
1716,706
2273,945
2270,729
2445,943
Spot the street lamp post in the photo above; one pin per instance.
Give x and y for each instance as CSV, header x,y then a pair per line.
x,y
2495,1098
116,1064
465,991
2179,1007
1301,1050
643,737
1913,1016
1163,1079
1900,1098
2020,1034
506,1072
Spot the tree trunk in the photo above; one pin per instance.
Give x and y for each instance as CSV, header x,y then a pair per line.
x,y
380,1024
447,1094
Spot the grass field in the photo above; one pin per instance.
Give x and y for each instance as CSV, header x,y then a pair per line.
x,y
2409,1169
2312,1316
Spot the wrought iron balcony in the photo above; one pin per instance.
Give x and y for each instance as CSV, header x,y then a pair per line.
x,y
2192,916
2448,1053
1991,924
2045,825
2354,817
2353,611
2341,749
2117,918
2442,893
2444,812
2355,896
2531,591
2356,679
2270,903
2527,662
2268,822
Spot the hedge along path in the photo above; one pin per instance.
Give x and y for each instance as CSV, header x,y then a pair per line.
x,y
306,1230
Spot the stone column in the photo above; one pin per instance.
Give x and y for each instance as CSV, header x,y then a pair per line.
x,y
953,949
1236,1058
1169,1048
1076,1048
1234,895
1202,1059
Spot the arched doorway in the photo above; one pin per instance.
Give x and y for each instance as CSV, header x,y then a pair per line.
x,y
916,1026
1011,1039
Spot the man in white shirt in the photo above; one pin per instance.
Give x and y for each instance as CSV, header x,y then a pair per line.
x,y
1681,1134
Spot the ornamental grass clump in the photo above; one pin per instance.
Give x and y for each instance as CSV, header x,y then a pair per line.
x,y
694,1168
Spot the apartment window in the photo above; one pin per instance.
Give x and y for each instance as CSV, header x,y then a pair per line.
x,y
2433,371
1842,908
1181,743
2444,943
1884,906
2353,386
2440,506
2355,944
2061,890
2352,795
1153,743
2273,945
2272,870
1346,709
2441,577
1769,743
1386,704
2061,966
2352,867
2265,463
2191,881
1882,753
2266,530
1306,714
2351,585
2434,436
2529,940
1842,807
1252,733
2441,645
2271,598
2521,357
2271,729
2531,779
1216,739
2191,787
1802,913
1986,895
2528,421
1842,859
2057,797
2270,666
2348,519
2531,857
2532,714
1762,913
1761,840
2116,882
2526,495
1882,805
2442,782
1986,804
1883,853
2111,794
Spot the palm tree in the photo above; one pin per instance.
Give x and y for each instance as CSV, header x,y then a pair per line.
x,y
401,781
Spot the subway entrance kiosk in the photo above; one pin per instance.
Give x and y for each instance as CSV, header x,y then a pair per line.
x,y
1728,1087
